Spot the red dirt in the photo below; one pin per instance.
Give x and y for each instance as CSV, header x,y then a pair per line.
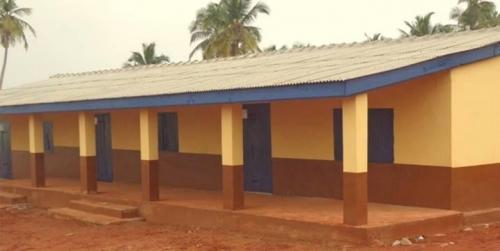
x,y
33,229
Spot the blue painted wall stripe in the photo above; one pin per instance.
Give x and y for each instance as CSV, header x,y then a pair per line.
x,y
305,91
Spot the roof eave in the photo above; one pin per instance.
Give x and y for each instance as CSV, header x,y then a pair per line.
x,y
267,94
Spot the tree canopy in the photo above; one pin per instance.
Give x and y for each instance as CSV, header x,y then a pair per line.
x,y
146,57
13,29
225,29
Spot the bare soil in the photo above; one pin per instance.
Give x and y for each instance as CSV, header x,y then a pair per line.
x,y
33,229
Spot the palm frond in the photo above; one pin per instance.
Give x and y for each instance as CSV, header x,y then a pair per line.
x,y
255,11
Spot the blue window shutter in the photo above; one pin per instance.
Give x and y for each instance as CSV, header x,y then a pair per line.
x,y
168,132
338,135
48,137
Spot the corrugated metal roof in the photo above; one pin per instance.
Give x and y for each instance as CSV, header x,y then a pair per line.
x,y
325,64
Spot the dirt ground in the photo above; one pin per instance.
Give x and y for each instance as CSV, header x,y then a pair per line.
x,y
33,229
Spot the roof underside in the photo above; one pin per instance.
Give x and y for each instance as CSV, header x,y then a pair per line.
x,y
337,70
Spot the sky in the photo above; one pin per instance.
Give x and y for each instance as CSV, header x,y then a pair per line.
x,y
76,36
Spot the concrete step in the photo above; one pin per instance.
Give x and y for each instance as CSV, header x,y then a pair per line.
x,y
92,218
12,198
105,208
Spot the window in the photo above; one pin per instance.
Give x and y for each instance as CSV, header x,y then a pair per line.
x,y
168,139
380,135
338,135
48,137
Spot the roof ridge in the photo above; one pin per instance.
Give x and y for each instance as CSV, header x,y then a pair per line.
x,y
271,53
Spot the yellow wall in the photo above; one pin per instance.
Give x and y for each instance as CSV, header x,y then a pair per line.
x,y
476,113
19,132
421,119
199,129
65,128
125,132
303,129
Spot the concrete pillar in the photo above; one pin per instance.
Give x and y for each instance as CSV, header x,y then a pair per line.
x,y
355,137
232,156
37,170
149,155
88,169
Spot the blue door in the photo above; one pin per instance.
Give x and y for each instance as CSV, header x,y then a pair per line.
x,y
258,175
103,148
5,152
381,135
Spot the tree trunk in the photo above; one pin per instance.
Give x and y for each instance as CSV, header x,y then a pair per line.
x,y
6,54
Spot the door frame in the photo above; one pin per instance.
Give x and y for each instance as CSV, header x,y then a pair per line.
x,y
267,187
5,126
107,153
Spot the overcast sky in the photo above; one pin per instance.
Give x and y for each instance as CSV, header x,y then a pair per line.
x,y
74,36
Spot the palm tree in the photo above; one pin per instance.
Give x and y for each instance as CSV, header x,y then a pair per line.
x,y
12,29
374,37
147,57
478,14
422,26
225,29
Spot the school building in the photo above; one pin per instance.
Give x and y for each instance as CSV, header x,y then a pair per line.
x,y
351,136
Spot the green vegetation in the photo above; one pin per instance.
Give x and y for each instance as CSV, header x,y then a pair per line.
x,y
374,37
225,29
12,29
478,14
147,57
422,26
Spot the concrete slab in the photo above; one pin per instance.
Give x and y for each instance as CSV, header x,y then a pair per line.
x,y
12,198
315,219
105,208
91,218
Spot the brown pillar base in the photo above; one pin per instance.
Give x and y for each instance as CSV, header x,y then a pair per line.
x,y
355,198
150,180
232,187
37,170
88,174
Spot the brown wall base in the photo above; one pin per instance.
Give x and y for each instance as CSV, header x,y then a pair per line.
x,y
475,187
409,185
198,171
149,180
88,174
63,162
37,169
20,164
186,170
464,189
355,198
313,178
467,188
126,166
232,178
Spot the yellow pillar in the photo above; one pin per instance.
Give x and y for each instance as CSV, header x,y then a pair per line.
x,y
355,138
149,155
37,170
232,156
88,169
